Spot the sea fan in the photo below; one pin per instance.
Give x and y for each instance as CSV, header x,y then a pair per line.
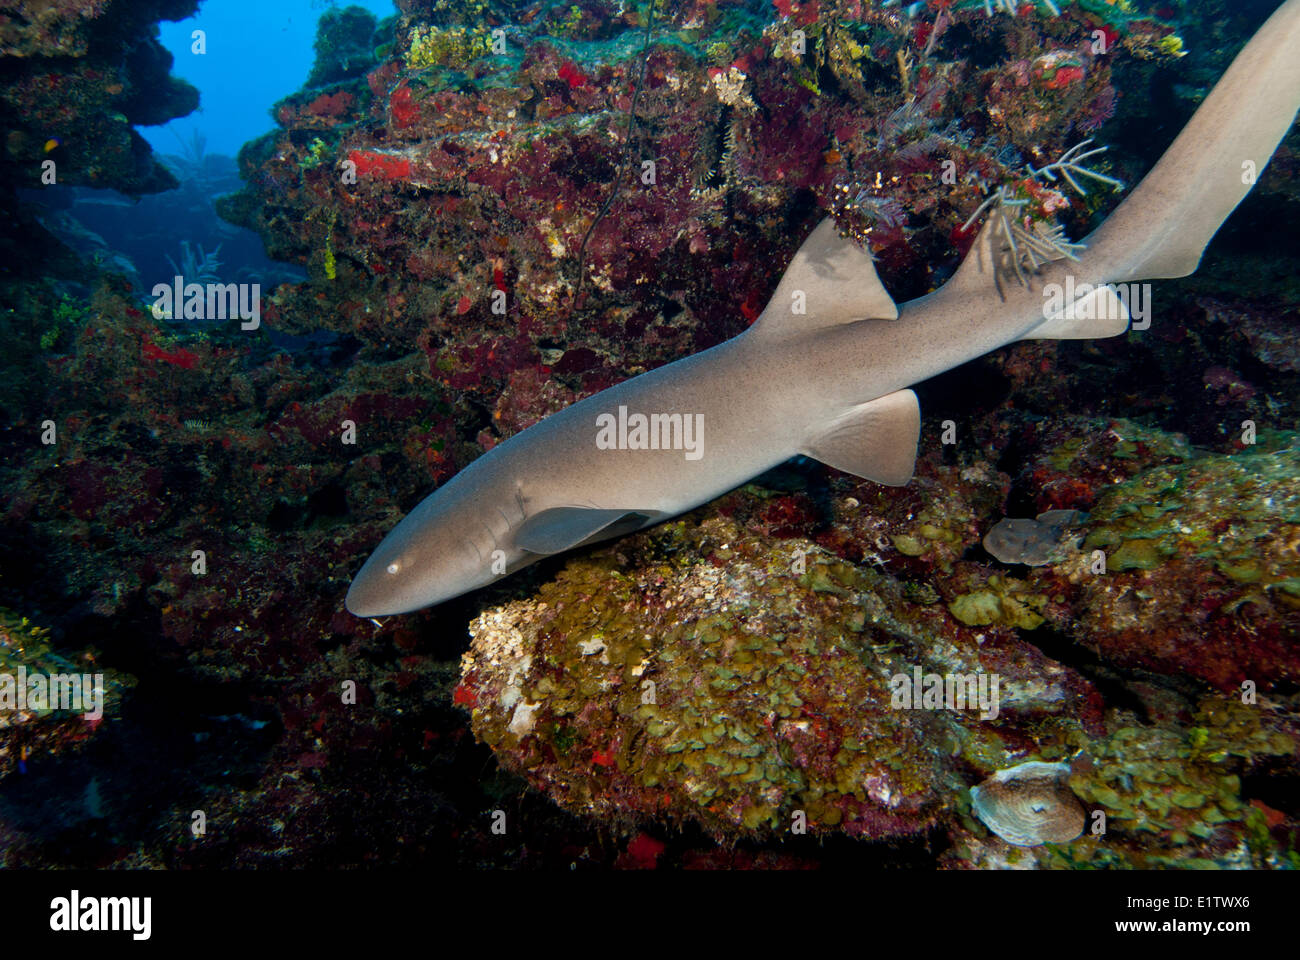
x,y
1028,243
197,265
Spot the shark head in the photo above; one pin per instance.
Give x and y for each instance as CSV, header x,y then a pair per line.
x,y
425,560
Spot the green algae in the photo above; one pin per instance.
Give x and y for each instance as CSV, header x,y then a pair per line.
x,y
24,644
1178,785
27,647
456,47
1003,601
908,546
67,318
760,703
937,532
1229,510
1121,439
1137,554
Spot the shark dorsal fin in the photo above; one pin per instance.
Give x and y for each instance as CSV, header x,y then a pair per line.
x,y
828,282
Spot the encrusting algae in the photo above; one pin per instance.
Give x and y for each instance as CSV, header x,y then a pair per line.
x,y
741,696
45,729
1213,544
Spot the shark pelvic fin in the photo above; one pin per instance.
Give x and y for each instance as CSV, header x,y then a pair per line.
x,y
830,281
561,528
1098,313
875,440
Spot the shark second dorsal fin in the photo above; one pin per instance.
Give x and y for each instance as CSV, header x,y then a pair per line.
x,y
828,282
874,440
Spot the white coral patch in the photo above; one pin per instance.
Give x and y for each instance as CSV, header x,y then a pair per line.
x,y
589,648
524,718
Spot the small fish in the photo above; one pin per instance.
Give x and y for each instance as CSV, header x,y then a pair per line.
x,y
53,144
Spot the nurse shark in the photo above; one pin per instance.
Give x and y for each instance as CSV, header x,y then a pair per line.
x,y
825,370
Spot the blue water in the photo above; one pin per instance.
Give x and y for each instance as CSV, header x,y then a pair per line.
x,y
257,52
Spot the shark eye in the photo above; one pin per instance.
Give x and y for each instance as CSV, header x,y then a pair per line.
x,y
394,567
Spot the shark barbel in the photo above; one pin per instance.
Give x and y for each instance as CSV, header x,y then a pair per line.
x,y
831,380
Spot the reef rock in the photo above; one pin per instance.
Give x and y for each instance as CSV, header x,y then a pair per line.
x,y
1202,568
752,691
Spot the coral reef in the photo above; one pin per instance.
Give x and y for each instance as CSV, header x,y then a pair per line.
x,y
1212,543
745,683
436,193
33,730
1180,787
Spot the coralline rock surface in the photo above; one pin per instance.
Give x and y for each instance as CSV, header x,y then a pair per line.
x,y
747,689
78,76
1203,568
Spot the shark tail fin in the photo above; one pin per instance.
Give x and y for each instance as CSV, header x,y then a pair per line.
x,y
1164,225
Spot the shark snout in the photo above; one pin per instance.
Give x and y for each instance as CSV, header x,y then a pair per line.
x,y
390,582
369,596
362,600
417,565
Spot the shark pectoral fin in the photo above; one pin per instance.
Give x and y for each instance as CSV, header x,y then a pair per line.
x,y
830,281
1098,313
875,441
561,528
